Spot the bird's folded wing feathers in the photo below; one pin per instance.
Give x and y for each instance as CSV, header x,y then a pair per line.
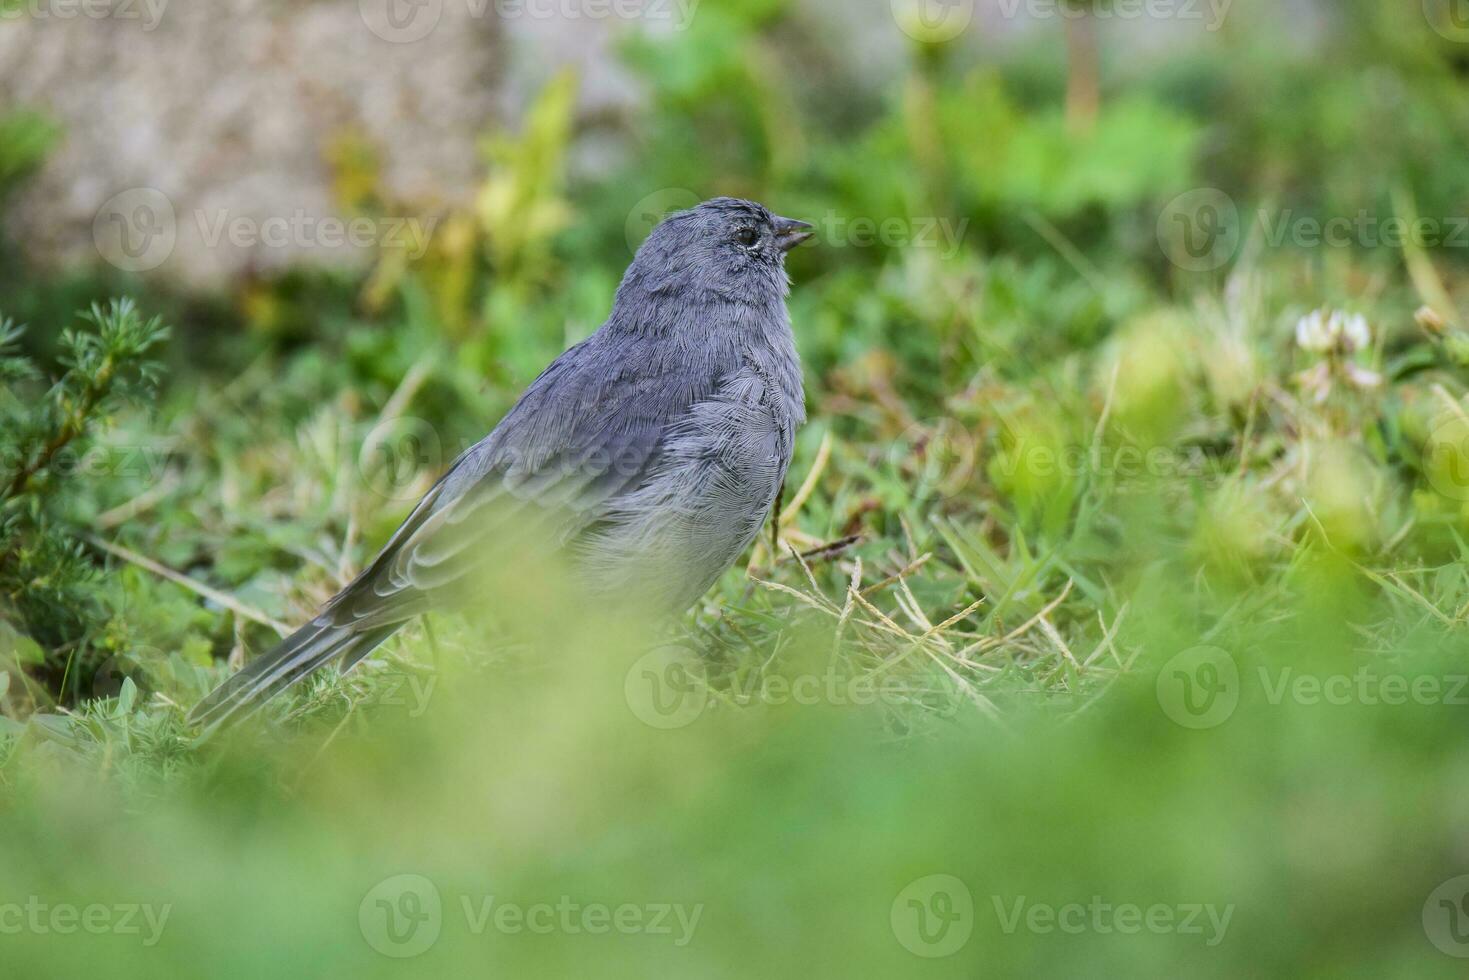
x,y
582,434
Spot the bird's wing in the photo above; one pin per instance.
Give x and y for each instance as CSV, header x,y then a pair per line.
x,y
589,429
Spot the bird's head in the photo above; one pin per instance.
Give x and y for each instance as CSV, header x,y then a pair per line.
x,y
728,248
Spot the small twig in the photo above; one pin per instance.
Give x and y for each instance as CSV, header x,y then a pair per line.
x,y
178,578
407,388
882,616
808,485
955,619
795,593
1054,636
833,548
847,605
908,569
983,703
1022,629
71,427
1063,246
1108,635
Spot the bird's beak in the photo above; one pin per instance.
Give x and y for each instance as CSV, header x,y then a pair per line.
x,y
789,233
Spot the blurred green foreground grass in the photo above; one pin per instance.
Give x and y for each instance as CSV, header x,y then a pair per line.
x,y
1117,626
794,831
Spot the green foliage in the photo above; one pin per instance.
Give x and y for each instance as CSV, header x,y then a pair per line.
x,y
107,365
1007,156
48,583
25,139
520,206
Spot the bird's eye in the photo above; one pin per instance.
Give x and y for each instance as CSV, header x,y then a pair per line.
x,y
747,236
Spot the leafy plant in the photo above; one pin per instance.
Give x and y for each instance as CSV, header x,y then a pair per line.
x,y
46,575
25,139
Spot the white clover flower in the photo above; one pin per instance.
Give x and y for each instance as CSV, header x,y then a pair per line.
x,y
1312,333
1336,332
1336,336
1352,330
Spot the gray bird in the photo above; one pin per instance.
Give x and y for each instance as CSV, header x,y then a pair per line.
x,y
650,453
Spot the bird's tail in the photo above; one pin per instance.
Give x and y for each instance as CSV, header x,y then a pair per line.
x,y
293,660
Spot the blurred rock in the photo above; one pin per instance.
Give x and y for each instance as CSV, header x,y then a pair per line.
x,y
198,137
220,113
